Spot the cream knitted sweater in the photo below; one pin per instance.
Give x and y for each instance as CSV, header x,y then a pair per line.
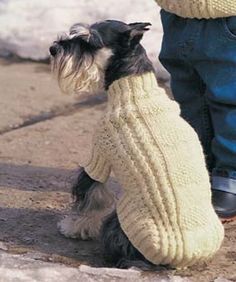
x,y
199,8
166,209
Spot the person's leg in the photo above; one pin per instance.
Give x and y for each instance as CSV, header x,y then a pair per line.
x,y
218,70
187,87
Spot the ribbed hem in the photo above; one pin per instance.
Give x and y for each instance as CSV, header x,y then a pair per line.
x,y
126,89
186,9
140,89
158,244
220,8
201,9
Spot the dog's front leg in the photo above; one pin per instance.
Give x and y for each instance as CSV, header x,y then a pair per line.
x,y
93,202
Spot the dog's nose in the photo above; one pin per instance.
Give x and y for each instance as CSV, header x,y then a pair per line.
x,y
53,50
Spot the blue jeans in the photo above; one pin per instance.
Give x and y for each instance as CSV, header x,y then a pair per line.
x,y
200,56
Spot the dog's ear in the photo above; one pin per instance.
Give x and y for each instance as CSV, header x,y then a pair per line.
x,y
135,32
87,34
95,39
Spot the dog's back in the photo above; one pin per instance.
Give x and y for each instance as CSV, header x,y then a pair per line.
x,y
166,209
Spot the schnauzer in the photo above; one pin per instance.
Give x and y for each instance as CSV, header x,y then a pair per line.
x,y
89,60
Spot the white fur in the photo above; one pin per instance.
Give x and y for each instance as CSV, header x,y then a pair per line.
x,y
89,79
81,30
82,226
87,224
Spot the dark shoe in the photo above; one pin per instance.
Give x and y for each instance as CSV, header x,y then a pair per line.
x,y
224,204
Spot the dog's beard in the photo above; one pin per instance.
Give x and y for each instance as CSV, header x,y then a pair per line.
x,y
83,76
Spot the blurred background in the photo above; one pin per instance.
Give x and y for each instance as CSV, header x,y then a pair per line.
x,y
27,27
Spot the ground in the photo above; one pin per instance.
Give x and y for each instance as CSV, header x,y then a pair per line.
x,y
44,136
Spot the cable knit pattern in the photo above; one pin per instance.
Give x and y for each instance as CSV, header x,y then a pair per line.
x,y
199,8
166,209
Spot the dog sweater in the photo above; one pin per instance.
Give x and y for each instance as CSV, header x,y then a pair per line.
x,y
165,209
199,8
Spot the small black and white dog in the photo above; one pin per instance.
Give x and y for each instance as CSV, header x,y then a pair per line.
x,y
88,60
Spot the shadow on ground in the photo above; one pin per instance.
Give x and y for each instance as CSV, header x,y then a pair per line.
x,y
29,230
35,178
32,200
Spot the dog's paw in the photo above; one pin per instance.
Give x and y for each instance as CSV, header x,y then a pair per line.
x,y
67,227
81,227
70,228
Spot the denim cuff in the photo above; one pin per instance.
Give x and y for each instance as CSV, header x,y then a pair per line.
x,y
224,173
224,184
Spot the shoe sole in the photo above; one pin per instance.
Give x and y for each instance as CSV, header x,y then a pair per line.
x,y
227,220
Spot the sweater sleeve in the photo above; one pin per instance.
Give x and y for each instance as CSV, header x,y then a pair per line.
x,y
199,8
98,166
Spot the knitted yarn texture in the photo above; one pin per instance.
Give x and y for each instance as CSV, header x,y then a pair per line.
x,y
199,8
166,209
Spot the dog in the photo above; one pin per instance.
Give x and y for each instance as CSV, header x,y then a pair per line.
x,y
108,56
87,61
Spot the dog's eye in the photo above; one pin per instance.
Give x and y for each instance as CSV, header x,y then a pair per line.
x,y
53,50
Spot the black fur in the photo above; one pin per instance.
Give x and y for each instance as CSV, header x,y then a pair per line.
x,y
133,62
80,189
90,195
129,55
115,244
118,250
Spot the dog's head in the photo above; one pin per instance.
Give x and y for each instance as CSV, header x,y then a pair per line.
x,y
81,58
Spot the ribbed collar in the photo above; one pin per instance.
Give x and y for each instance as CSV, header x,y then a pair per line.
x,y
130,88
